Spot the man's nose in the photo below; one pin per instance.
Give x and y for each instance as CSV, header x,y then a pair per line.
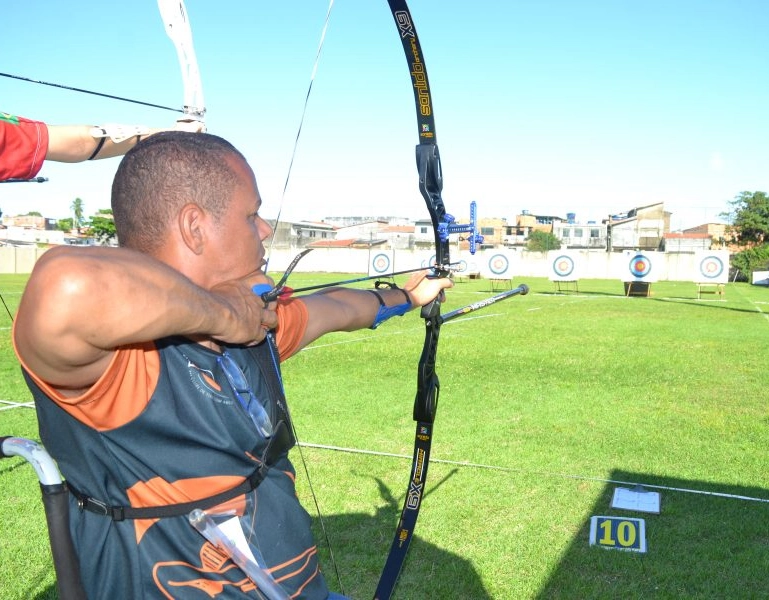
x,y
265,230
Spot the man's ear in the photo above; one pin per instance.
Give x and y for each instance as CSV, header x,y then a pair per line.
x,y
192,223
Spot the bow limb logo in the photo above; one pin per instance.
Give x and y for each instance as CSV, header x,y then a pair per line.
x,y
406,27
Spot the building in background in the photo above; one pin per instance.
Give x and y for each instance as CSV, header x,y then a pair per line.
x,y
641,228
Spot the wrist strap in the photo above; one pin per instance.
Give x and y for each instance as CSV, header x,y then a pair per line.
x,y
392,286
378,296
386,312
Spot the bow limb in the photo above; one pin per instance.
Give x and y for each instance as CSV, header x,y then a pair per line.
x,y
174,15
426,400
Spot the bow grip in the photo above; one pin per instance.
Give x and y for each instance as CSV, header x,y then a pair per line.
x,y
429,169
428,385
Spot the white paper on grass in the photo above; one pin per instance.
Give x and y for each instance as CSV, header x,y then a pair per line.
x,y
636,499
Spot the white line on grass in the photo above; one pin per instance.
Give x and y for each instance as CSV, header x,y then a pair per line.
x,y
376,336
372,336
483,316
549,473
757,307
10,404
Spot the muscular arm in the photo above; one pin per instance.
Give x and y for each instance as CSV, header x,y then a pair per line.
x,y
345,309
80,304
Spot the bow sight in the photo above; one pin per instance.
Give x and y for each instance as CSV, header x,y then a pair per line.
x,y
449,226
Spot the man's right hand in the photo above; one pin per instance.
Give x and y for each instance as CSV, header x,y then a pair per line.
x,y
251,319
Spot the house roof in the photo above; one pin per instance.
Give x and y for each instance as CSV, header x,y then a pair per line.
x,y
689,236
315,225
349,243
331,244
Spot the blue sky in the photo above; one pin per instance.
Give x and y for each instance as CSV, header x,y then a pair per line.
x,y
551,106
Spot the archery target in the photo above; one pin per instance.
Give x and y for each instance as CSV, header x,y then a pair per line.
x,y
640,267
381,263
563,266
712,267
497,265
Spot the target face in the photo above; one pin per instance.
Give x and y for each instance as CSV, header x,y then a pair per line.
x,y
640,266
711,267
563,265
380,264
499,264
462,267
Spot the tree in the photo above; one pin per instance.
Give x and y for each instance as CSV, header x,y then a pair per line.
x,y
103,226
65,224
77,212
752,259
542,241
749,218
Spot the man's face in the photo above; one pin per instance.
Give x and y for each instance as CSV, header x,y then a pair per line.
x,y
237,242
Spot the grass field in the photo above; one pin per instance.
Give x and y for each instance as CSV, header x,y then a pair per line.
x,y
547,402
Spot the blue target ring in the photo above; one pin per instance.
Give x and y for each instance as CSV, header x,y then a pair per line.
x,y
499,264
563,265
640,266
381,264
711,267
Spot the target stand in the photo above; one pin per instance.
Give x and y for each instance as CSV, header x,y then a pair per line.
x,y
638,288
566,285
718,289
501,284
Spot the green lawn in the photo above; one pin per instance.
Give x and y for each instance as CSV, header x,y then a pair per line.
x,y
546,400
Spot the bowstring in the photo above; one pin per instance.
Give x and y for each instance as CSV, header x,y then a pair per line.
x,y
305,468
276,362
299,129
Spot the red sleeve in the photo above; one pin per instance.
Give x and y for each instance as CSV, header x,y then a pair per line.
x,y
23,146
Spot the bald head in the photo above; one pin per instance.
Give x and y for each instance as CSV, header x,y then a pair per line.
x,y
163,173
